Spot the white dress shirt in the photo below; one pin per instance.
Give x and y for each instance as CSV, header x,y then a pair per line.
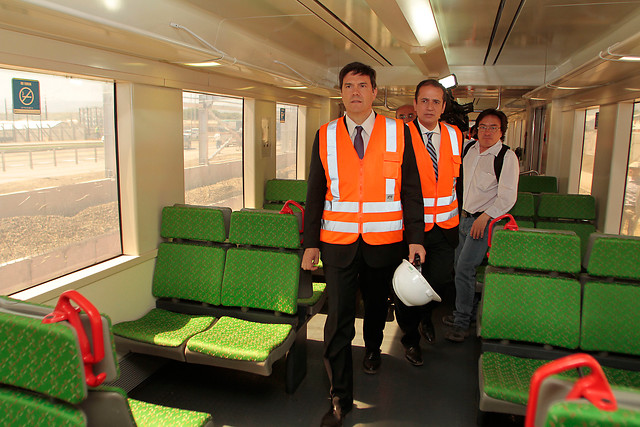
x,y
482,193
435,138
367,128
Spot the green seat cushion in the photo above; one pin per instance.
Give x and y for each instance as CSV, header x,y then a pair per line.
x,y
190,272
614,256
610,318
268,229
163,328
19,408
582,229
525,307
581,413
238,339
150,415
29,362
193,222
536,250
318,290
261,279
508,377
286,189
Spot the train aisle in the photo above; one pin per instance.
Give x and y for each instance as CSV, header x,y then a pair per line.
x,y
443,392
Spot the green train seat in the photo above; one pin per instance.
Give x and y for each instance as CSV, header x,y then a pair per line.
x,y
574,212
44,374
588,400
530,312
278,191
187,269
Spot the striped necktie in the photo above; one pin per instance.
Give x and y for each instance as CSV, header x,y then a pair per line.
x,y
432,153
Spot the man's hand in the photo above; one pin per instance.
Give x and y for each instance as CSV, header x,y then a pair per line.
x,y
310,259
415,248
477,229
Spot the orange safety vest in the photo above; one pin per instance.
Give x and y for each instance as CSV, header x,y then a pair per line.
x,y
440,199
363,195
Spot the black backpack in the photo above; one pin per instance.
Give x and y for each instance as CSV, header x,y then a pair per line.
x,y
497,167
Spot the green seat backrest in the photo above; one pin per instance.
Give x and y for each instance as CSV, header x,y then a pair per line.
x,y
524,206
610,318
261,279
567,206
531,308
267,229
193,223
536,250
44,358
190,272
582,229
538,184
281,190
610,255
19,408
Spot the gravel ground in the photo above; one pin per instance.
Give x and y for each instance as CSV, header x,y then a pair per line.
x,y
27,236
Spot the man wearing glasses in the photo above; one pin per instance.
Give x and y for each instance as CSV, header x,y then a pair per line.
x,y
486,196
406,113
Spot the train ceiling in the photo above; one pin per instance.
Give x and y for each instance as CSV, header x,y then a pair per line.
x,y
502,52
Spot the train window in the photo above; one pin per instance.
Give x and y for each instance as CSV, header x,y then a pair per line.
x,y
630,224
286,141
588,150
212,138
59,207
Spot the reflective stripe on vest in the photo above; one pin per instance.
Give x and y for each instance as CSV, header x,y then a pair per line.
x,y
453,137
345,216
441,217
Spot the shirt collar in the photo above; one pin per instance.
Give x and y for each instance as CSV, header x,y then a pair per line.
x,y
367,125
423,129
493,150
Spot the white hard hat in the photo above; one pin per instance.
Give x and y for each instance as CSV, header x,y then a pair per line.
x,y
411,287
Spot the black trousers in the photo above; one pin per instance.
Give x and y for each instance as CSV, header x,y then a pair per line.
x,y
339,329
438,270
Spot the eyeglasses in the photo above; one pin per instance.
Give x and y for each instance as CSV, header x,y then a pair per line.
x,y
403,116
491,129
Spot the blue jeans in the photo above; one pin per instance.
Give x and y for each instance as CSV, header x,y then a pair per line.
x,y
469,255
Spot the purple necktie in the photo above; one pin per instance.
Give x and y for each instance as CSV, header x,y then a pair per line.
x,y
358,142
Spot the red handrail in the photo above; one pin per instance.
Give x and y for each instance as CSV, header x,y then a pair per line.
x,y
593,387
287,210
510,225
64,310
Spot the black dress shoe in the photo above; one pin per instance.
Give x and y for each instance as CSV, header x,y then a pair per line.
x,y
427,331
371,362
335,415
413,355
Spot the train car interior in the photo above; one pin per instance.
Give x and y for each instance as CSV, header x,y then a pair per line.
x,y
155,157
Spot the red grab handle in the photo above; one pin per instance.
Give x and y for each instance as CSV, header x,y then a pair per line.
x,y
510,225
287,210
64,310
593,387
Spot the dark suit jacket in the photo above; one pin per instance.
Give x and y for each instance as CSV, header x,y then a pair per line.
x,y
374,255
451,234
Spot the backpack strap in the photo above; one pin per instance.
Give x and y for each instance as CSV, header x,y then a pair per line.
x,y
499,160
